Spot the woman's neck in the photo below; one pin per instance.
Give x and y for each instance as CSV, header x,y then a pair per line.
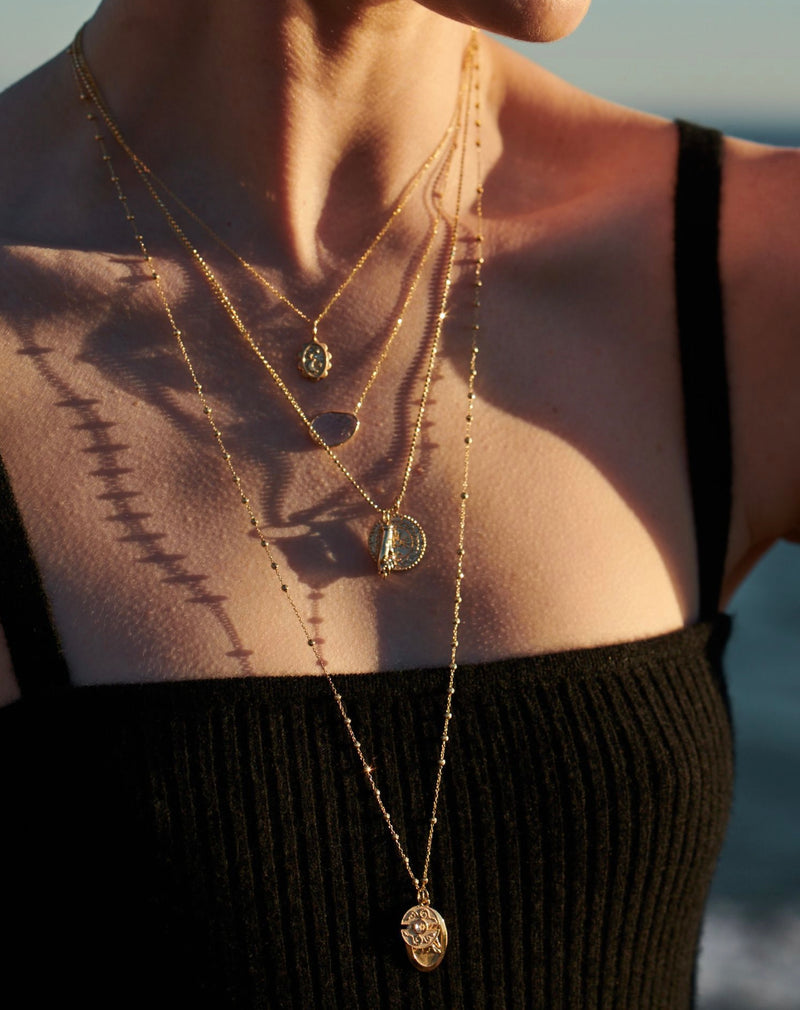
x,y
309,115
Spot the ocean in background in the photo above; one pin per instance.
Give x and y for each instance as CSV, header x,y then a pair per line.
x,y
782,134
751,947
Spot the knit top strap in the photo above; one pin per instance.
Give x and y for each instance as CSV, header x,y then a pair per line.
x,y
25,614
702,348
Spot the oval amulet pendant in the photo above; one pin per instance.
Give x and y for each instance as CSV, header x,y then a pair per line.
x,y
425,936
314,360
396,543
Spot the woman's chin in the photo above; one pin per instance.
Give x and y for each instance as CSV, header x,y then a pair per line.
x,y
527,20
553,20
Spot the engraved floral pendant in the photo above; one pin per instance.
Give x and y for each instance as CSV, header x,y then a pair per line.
x,y
425,935
314,360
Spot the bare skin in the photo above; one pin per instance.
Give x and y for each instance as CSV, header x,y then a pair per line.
x,y
292,128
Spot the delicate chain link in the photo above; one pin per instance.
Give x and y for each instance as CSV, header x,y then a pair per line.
x,y
420,883
89,86
440,186
474,78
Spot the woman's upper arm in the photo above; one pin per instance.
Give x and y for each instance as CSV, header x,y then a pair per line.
x,y
760,259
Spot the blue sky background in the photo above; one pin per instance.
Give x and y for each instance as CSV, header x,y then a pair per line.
x,y
722,61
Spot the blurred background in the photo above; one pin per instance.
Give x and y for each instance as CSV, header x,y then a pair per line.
x,y
733,64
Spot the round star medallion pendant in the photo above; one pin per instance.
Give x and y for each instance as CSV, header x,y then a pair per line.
x,y
425,935
396,543
314,360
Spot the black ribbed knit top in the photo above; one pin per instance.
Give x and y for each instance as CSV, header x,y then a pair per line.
x,y
210,844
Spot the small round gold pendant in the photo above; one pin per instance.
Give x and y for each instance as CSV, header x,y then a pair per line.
x,y
396,543
425,935
314,360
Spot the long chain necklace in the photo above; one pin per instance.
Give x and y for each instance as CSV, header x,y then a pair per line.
x,y
314,359
422,928
396,541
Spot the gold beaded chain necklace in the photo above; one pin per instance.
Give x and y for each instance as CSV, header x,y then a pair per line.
x,y
396,541
422,928
314,360
331,427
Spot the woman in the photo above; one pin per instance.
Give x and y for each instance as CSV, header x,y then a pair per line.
x,y
208,825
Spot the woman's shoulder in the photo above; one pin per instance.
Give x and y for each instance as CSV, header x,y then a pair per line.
x,y
49,183
575,138
562,147
47,171
33,120
760,260
761,218
570,136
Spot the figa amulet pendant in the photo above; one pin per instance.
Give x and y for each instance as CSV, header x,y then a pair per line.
x,y
396,543
425,935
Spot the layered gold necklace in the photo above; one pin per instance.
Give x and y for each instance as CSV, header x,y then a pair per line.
x,y
396,541
314,359
422,928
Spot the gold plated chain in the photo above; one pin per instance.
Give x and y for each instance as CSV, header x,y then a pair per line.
x,y
333,427
397,541
422,927
314,359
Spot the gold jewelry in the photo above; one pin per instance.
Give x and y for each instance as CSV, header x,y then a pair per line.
x,y
332,427
423,929
314,359
396,542
329,428
335,427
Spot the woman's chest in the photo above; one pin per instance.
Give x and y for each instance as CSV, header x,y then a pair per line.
x,y
577,529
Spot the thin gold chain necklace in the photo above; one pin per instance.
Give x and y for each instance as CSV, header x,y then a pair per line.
x,y
314,359
396,541
332,427
335,427
422,928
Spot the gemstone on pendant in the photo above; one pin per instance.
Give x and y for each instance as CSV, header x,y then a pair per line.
x,y
314,360
425,935
335,427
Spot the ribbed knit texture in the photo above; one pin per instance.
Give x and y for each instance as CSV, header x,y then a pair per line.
x,y
213,843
